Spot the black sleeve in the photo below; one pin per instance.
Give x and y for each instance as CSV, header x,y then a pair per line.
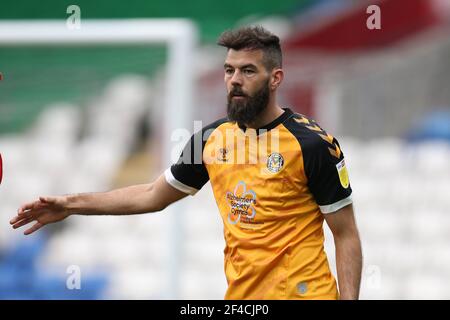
x,y
326,173
189,173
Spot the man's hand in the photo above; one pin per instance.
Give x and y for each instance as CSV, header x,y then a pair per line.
x,y
137,199
44,211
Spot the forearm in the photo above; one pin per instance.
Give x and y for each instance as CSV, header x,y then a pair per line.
x,y
125,201
349,266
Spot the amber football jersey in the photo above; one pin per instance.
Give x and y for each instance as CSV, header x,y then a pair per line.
x,y
272,187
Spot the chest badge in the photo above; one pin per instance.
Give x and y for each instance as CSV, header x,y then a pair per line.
x,y
223,155
275,162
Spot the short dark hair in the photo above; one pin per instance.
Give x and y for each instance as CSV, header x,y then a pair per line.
x,y
254,38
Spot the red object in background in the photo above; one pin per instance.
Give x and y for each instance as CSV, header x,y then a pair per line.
x,y
399,19
1,168
348,33
301,98
1,76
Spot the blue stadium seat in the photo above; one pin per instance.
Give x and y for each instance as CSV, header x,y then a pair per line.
x,y
22,279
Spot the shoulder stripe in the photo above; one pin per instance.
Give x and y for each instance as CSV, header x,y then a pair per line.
x,y
334,149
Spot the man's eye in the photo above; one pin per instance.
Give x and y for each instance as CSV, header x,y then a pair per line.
x,y
248,71
229,71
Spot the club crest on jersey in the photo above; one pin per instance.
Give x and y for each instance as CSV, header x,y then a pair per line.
x,y
275,162
343,174
223,155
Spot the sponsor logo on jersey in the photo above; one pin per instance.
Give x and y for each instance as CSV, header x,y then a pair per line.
x,y
275,162
343,174
241,202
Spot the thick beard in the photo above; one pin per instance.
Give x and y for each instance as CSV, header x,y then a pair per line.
x,y
247,110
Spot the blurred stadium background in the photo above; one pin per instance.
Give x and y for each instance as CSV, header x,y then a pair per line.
x,y
90,118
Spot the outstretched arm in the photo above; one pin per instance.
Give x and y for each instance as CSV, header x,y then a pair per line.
x,y
348,251
135,199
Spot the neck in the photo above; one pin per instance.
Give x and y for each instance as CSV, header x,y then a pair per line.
x,y
269,114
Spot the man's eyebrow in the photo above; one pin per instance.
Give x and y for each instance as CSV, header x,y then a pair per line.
x,y
248,65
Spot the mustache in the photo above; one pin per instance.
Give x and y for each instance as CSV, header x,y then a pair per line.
x,y
237,91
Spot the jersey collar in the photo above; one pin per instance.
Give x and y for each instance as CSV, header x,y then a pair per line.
x,y
271,125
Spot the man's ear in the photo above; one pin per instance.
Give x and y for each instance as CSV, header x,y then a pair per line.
x,y
276,78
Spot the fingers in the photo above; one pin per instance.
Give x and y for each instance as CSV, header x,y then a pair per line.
x,y
34,228
42,202
19,217
22,222
27,206
28,213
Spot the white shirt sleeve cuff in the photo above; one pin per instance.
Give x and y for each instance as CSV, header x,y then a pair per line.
x,y
336,206
177,184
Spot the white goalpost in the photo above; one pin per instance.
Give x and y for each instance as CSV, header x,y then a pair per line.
x,y
180,37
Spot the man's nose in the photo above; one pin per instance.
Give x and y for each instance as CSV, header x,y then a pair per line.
x,y
236,79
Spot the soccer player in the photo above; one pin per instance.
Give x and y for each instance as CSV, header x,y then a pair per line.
x,y
276,176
